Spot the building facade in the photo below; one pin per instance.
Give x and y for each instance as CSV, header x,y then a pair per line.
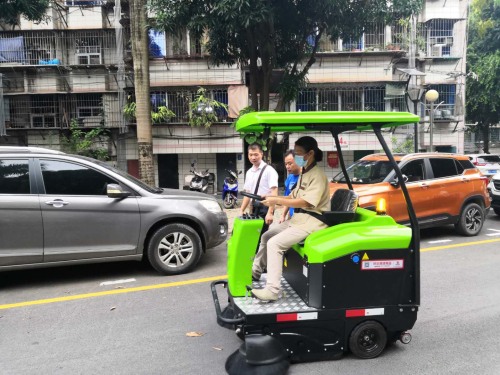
x,y
76,70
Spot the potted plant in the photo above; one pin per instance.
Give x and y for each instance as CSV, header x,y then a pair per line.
x,y
390,47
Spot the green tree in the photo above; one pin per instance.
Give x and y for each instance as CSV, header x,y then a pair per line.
x,y
204,111
32,10
85,143
483,67
272,35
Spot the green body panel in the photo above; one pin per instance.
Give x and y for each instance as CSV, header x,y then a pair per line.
x,y
369,231
297,121
241,249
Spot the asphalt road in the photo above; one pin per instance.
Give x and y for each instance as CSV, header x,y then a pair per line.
x,y
144,331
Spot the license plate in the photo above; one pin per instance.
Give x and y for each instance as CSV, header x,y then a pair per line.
x,y
492,171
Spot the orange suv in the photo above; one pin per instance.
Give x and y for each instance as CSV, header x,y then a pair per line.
x,y
444,189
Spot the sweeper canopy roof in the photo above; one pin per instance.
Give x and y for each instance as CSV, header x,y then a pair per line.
x,y
321,121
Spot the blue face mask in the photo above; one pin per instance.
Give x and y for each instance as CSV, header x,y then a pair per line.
x,y
299,160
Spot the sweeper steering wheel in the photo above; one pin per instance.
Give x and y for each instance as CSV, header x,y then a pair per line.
x,y
253,196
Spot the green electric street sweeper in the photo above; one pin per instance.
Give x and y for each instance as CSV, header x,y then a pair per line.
x,y
353,286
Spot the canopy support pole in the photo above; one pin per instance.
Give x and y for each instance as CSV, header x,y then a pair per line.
x,y
415,230
341,159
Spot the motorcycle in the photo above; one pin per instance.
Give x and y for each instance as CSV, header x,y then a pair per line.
x,y
230,189
200,180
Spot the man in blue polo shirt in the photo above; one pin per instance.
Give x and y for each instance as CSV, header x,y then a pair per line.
x,y
293,176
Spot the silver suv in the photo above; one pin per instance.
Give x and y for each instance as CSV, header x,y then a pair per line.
x,y
60,209
494,190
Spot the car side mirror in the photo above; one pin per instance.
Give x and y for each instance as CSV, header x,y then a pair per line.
x,y
395,182
116,191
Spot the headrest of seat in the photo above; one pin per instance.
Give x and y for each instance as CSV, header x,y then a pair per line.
x,y
344,200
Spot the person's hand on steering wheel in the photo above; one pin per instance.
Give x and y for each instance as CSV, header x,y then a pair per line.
x,y
270,201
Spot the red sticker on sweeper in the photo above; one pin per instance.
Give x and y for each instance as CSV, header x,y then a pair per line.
x,y
382,264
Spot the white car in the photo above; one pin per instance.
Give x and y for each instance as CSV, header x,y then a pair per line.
x,y
494,190
488,164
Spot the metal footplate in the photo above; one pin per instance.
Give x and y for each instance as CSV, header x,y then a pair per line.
x,y
289,301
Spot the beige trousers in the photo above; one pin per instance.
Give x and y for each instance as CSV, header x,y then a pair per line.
x,y
278,239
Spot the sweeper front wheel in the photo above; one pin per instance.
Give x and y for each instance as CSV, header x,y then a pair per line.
x,y
368,339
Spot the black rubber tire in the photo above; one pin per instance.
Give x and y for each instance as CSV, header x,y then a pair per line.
x,y
497,211
227,205
154,257
461,226
376,333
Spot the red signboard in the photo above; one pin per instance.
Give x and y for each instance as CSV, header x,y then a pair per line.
x,y
333,159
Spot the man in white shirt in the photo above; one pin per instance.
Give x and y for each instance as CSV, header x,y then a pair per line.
x,y
268,182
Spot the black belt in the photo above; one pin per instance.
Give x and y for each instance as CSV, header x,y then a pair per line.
x,y
313,214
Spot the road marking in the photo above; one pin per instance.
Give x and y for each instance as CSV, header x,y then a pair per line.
x,y
187,282
456,245
109,292
440,241
494,234
117,282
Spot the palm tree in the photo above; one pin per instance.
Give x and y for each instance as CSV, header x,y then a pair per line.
x,y
140,54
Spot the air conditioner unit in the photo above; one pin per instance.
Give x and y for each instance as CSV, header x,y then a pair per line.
x,y
446,113
437,50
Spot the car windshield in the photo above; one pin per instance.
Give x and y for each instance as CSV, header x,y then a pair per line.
x,y
366,172
123,174
491,159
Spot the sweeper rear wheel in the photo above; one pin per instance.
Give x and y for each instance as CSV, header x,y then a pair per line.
x,y
368,339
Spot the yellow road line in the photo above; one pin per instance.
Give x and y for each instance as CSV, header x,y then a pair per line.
x,y
458,245
180,283
109,292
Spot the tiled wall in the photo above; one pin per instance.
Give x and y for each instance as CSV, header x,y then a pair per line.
x,y
188,140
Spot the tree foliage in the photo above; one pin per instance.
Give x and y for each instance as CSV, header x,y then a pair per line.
x,y
277,40
204,111
85,143
32,10
157,117
483,67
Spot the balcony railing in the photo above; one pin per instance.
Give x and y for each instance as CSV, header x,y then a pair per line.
x,y
44,48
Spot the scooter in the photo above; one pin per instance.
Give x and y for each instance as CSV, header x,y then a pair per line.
x,y
200,180
353,286
230,189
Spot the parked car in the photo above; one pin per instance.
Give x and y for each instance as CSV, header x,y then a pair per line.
x,y
444,188
494,190
60,209
488,164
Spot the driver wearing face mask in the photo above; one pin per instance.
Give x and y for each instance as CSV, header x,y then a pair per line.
x,y
310,198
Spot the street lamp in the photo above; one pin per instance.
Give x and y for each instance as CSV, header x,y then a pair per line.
x,y
413,92
431,96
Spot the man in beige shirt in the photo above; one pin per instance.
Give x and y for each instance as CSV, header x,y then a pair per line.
x,y
312,194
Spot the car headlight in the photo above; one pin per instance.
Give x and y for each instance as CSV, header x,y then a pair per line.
x,y
211,206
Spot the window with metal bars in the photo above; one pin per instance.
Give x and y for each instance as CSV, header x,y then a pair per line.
x,y
354,98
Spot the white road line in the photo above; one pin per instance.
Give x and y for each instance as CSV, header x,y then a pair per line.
x,y
117,282
495,230
440,241
494,234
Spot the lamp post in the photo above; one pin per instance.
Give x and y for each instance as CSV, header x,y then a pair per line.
x,y
431,96
415,95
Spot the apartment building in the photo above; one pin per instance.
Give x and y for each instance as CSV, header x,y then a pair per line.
x,y
76,69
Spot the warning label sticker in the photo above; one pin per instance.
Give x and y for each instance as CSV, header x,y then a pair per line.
x,y
382,264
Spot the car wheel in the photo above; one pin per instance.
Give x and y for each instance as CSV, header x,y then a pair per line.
x,y
497,211
174,249
471,221
368,340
